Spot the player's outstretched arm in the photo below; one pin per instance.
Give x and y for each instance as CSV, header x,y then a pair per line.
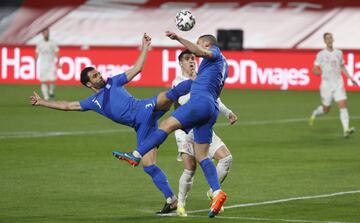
x,y
36,100
344,70
197,50
231,116
139,64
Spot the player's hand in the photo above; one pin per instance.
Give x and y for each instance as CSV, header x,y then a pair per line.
x,y
354,82
171,35
35,99
232,118
146,40
316,70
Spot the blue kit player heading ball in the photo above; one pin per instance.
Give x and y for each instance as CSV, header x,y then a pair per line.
x,y
113,101
199,113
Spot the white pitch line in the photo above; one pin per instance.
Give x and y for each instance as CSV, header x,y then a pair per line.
x,y
280,121
32,134
282,200
36,134
276,201
272,219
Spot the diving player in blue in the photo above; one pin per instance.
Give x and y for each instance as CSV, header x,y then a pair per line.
x,y
113,101
199,113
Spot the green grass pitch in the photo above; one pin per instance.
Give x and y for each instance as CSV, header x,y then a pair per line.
x,y
57,166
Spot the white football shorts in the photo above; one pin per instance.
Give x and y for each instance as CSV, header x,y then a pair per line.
x,y
328,93
47,73
185,143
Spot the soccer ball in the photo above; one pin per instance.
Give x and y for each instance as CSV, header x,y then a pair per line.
x,y
185,20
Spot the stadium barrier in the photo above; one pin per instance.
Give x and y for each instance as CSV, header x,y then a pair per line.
x,y
259,69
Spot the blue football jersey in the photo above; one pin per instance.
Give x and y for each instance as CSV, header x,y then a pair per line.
x,y
113,101
211,75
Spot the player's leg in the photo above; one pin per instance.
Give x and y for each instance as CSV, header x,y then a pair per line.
x,y
158,136
52,86
202,138
344,114
340,98
185,144
160,180
210,174
147,118
179,90
185,182
224,158
208,167
163,102
183,117
45,90
166,98
219,151
155,139
326,99
145,126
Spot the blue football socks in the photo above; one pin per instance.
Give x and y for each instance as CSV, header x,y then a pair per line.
x,y
210,173
159,179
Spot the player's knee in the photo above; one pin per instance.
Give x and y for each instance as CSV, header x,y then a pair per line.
x,y
342,104
162,102
170,124
189,162
226,161
221,152
166,126
190,166
326,109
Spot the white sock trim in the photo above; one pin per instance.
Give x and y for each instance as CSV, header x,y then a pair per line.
x,y
216,192
137,154
170,200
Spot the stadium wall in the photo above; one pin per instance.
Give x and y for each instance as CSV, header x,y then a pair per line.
x,y
257,69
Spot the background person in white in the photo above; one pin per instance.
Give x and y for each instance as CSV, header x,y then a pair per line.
x,y
46,60
185,142
329,63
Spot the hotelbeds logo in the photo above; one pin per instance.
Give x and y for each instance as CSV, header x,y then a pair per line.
x,y
247,71
16,66
245,68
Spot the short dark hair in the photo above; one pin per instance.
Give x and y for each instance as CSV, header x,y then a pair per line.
x,y
84,77
181,56
210,38
325,34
